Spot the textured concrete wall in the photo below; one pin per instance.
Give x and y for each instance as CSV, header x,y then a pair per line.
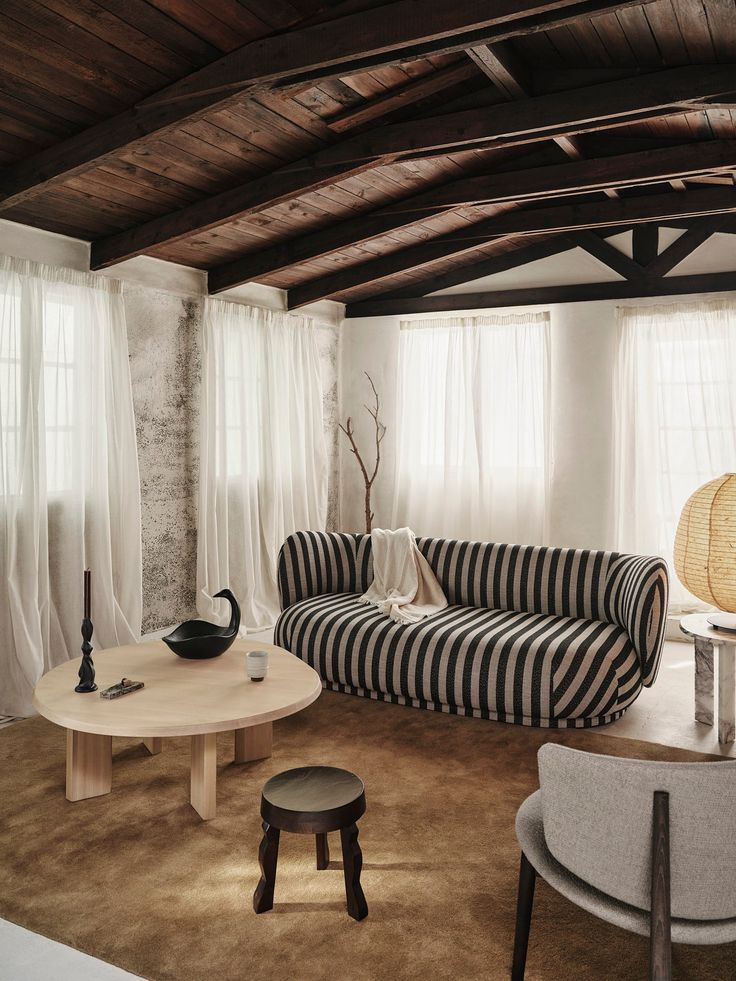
x,y
328,339
163,343
165,366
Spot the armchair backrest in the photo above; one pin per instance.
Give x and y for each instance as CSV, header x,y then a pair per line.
x,y
597,814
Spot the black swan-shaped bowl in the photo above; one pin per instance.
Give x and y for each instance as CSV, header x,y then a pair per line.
x,y
198,640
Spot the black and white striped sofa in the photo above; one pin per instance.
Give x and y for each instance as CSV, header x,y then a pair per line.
x,y
538,636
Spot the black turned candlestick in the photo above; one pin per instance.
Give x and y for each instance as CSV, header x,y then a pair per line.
x,y
87,668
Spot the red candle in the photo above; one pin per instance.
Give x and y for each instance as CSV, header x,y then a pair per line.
x,y
87,578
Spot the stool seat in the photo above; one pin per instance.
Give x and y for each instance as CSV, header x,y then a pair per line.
x,y
313,800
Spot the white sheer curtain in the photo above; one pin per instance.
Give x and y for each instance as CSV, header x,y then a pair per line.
x,y
675,420
473,417
69,490
263,454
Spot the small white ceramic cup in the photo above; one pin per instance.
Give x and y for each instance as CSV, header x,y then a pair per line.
x,y
256,665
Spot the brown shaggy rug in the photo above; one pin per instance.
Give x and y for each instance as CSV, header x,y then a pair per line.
x,y
137,879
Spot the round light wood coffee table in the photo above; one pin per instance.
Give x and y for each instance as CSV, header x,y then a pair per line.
x,y
180,698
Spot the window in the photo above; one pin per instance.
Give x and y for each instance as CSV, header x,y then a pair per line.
x,y
675,406
472,420
263,464
50,393
69,488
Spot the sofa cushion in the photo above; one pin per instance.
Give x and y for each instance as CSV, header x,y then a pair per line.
x,y
526,668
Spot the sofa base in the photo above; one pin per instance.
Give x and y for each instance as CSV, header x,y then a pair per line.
x,y
584,723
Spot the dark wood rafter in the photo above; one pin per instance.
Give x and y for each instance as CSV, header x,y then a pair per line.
x,y
512,78
586,292
543,117
599,214
685,245
626,170
608,254
401,98
378,36
480,268
645,244
538,119
374,151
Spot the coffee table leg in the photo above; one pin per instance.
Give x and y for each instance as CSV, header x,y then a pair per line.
x,y
88,765
253,743
154,744
703,681
204,775
726,693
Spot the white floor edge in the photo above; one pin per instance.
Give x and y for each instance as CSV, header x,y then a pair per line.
x,y
662,714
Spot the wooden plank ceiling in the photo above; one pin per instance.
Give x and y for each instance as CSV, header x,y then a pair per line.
x,y
371,152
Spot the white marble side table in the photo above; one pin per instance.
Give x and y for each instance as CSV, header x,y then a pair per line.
x,y
706,640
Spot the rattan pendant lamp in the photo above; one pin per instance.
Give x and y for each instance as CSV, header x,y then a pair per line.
x,y
705,548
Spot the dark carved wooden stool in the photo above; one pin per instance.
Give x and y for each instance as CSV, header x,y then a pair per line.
x,y
313,800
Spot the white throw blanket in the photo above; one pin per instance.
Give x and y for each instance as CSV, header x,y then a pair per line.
x,y
404,586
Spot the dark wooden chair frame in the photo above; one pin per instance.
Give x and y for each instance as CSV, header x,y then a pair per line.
x,y
660,932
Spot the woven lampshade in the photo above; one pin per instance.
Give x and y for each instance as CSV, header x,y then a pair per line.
x,y
705,543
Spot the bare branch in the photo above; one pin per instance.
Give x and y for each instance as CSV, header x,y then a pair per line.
x,y
379,434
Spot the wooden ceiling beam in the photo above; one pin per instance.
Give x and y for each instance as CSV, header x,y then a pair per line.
x,y
392,32
645,244
609,255
511,77
505,69
595,107
534,296
685,245
388,34
549,246
488,266
608,213
528,121
401,97
523,185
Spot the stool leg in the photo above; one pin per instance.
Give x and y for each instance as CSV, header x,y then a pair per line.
x,y
268,855
352,860
323,852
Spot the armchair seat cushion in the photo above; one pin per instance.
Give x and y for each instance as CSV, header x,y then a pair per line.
x,y
530,832
529,668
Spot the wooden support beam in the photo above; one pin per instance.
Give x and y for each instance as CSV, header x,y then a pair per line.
x,y
400,98
530,121
507,72
387,34
381,35
645,244
598,214
512,78
609,255
622,170
523,185
543,117
488,266
584,293
685,245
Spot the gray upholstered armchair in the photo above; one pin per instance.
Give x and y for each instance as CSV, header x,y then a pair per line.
x,y
650,847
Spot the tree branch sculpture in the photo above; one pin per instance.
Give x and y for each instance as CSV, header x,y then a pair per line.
x,y
380,433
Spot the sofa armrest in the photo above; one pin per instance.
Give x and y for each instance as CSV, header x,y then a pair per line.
x,y
637,587
313,563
